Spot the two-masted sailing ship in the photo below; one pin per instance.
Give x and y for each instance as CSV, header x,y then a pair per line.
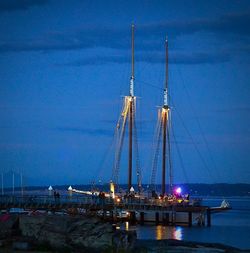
x,y
127,123
176,208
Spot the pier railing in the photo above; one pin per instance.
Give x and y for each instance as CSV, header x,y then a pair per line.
x,y
108,207
49,200
87,202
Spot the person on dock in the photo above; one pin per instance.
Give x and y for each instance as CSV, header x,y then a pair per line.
x,y
101,198
58,197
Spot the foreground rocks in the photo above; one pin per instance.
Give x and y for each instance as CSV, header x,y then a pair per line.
x,y
8,225
53,233
67,233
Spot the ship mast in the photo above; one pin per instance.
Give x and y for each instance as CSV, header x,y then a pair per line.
x,y
165,110
131,91
125,123
131,116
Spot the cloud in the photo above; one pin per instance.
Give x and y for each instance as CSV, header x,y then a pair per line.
x,y
174,58
14,5
97,60
239,109
86,131
40,45
84,38
96,131
232,23
149,35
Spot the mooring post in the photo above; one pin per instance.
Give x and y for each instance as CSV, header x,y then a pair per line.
x,y
173,216
132,218
111,215
142,218
165,218
208,217
114,215
156,218
203,219
190,219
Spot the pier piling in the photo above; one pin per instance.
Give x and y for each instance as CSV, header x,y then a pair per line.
x,y
157,218
165,219
208,217
190,219
132,218
142,218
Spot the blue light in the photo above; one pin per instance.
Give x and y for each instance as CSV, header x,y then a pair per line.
x,y
178,190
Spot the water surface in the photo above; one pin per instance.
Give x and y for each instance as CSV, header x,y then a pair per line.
x,y
231,227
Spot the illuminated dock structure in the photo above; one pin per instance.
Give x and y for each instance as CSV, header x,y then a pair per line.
x,y
134,211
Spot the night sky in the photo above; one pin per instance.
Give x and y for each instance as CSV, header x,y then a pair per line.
x,y
65,67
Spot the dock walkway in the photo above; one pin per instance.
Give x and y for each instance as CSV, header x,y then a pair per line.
x,y
138,209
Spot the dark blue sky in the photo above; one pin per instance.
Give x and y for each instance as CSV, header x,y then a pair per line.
x,y
65,66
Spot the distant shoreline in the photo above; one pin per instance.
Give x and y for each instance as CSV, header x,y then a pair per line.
x,y
195,190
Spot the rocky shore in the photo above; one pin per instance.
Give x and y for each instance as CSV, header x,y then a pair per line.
x,y
62,233
55,233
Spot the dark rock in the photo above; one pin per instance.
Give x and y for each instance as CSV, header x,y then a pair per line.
x,y
21,245
2,243
124,240
8,224
75,232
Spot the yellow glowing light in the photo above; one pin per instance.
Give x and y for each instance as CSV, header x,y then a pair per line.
x,y
112,189
126,226
159,233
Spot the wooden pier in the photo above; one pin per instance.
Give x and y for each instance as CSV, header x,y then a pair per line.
x,y
136,211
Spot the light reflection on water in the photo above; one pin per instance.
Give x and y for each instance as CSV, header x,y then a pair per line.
x,y
157,232
231,228
178,233
163,232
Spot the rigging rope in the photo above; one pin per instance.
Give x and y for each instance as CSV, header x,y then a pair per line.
x,y
178,152
138,167
195,145
156,153
116,167
199,125
106,154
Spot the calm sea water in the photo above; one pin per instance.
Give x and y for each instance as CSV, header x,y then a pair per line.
x,y
231,227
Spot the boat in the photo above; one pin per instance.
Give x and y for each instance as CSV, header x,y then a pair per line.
x,y
127,122
176,207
